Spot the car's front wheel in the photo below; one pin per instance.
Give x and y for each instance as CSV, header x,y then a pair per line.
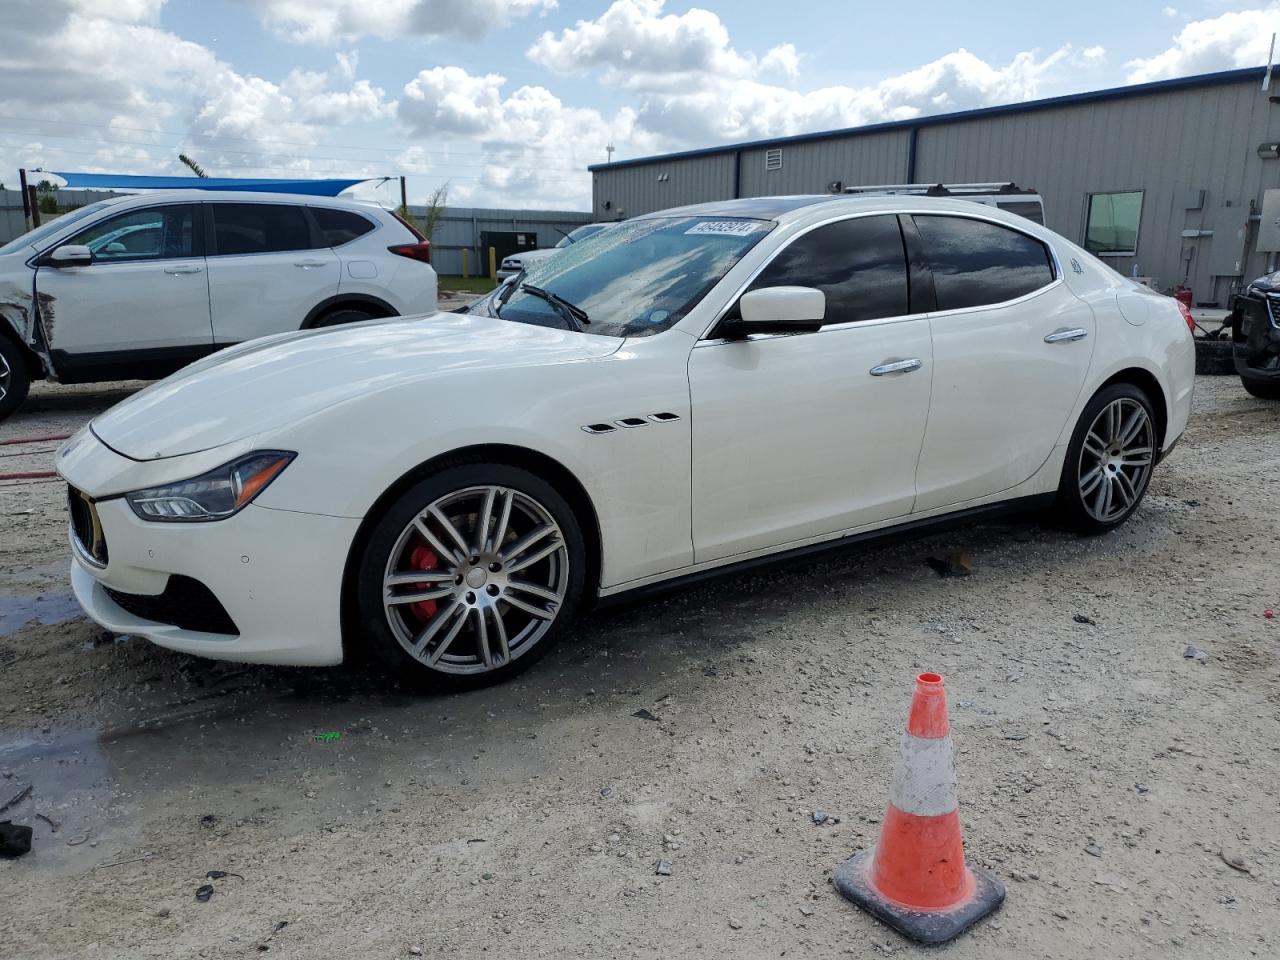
x,y
15,380
471,575
1109,460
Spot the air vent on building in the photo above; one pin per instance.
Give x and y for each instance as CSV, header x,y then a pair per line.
x,y
773,159
664,177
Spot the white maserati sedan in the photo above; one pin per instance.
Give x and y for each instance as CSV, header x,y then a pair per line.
x,y
690,392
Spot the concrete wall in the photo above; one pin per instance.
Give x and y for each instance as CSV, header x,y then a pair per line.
x,y
1170,142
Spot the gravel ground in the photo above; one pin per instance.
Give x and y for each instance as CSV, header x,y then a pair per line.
x,y
1103,774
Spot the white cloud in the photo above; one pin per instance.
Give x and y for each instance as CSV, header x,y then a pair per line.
x,y
1170,12
1238,39
341,21
1093,54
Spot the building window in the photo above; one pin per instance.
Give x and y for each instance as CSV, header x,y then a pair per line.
x,y
1111,225
773,159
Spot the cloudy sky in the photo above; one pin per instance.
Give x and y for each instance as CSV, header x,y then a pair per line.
x,y
508,100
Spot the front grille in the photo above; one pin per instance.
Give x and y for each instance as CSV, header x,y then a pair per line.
x,y
85,526
186,603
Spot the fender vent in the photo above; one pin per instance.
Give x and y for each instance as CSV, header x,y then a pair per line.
x,y
663,417
599,428
632,422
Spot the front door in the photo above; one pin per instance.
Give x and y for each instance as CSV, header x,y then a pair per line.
x,y
1011,348
141,308
800,436
268,268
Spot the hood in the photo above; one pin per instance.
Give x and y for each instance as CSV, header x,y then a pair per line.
x,y
1269,283
266,384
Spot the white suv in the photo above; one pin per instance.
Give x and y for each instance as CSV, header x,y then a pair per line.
x,y
139,286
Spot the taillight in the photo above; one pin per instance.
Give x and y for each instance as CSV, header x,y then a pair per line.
x,y
420,251
1186,315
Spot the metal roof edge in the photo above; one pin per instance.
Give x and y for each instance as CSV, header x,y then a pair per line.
x,y
1028,106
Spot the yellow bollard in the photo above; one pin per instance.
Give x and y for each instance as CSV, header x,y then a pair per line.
x,y
493,264
465,274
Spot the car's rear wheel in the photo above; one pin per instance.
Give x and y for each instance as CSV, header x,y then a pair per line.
x,y
15,379
1109,460
1261,389
471,576
343,315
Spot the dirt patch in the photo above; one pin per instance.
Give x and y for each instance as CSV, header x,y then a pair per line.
x,y
1101,771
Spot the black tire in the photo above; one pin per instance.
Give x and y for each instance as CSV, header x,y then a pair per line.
x,y
15,377
343,315
1073,507
386,549
1214,358
1262,389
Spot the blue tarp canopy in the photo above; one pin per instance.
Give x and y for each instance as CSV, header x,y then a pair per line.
x,y
113,181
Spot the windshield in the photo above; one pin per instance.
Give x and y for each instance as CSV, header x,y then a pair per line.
x,y
635,279
32,238
584,231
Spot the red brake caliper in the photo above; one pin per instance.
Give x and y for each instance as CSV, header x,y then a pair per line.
x,y
423,558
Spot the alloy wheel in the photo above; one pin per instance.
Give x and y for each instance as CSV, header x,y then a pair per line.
x,y
476,579
6,376
1116,459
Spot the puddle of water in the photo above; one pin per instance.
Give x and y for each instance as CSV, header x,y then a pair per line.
x,y
18,611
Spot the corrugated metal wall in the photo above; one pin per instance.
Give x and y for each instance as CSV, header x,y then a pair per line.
x,y
630,191
806,167
460,228
1170,144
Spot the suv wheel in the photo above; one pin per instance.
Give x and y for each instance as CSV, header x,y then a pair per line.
x,y
1109,460
343,315
15,379
470,576
1263,389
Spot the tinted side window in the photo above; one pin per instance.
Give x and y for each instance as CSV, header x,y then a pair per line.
x,y
859,264
976,263
157,233
339,226
259,228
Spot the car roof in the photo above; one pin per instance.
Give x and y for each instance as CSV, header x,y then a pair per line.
x,y
787,209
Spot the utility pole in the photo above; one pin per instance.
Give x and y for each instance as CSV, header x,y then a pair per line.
x,y
26,201
609,150
404,200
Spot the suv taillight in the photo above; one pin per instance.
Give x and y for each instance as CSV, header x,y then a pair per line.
x,y
1186,315
420,251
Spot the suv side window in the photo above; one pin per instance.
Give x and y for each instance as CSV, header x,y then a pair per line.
x,y
152,233
859,264
976,263
339,226
240,228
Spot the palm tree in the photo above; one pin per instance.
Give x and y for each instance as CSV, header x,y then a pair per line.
x,y
193,166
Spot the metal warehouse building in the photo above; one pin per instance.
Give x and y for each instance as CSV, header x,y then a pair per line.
x,y
1165,180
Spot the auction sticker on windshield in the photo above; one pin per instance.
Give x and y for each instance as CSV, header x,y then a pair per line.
x,y
726,228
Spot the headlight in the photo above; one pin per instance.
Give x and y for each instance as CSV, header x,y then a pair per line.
x,y
214,495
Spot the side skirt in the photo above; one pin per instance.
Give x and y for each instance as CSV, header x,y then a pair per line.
x,y
903,531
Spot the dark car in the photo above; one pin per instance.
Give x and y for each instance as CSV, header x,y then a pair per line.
x,y
1255,338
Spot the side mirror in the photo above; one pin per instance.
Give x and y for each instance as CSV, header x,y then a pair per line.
x,y
780,310
68,255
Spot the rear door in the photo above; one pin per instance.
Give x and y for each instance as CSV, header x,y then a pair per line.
x,y
1011,348
141,307
269,266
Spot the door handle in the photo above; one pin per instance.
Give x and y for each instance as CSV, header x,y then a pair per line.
x,y
1067,336
304,264
183,269
897,366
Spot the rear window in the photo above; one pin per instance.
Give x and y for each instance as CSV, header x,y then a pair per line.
x,y
976,262
241,228
1030,209
340,226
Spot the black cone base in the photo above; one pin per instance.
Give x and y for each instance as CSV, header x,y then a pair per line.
x,y
922,926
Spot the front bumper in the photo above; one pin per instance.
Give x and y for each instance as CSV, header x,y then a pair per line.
x,y
1256,337
277,574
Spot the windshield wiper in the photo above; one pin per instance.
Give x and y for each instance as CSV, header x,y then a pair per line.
x,y
571,312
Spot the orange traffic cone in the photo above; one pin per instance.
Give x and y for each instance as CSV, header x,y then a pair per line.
x,y
915,879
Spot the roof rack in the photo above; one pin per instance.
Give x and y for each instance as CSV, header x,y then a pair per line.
x,y
935,189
